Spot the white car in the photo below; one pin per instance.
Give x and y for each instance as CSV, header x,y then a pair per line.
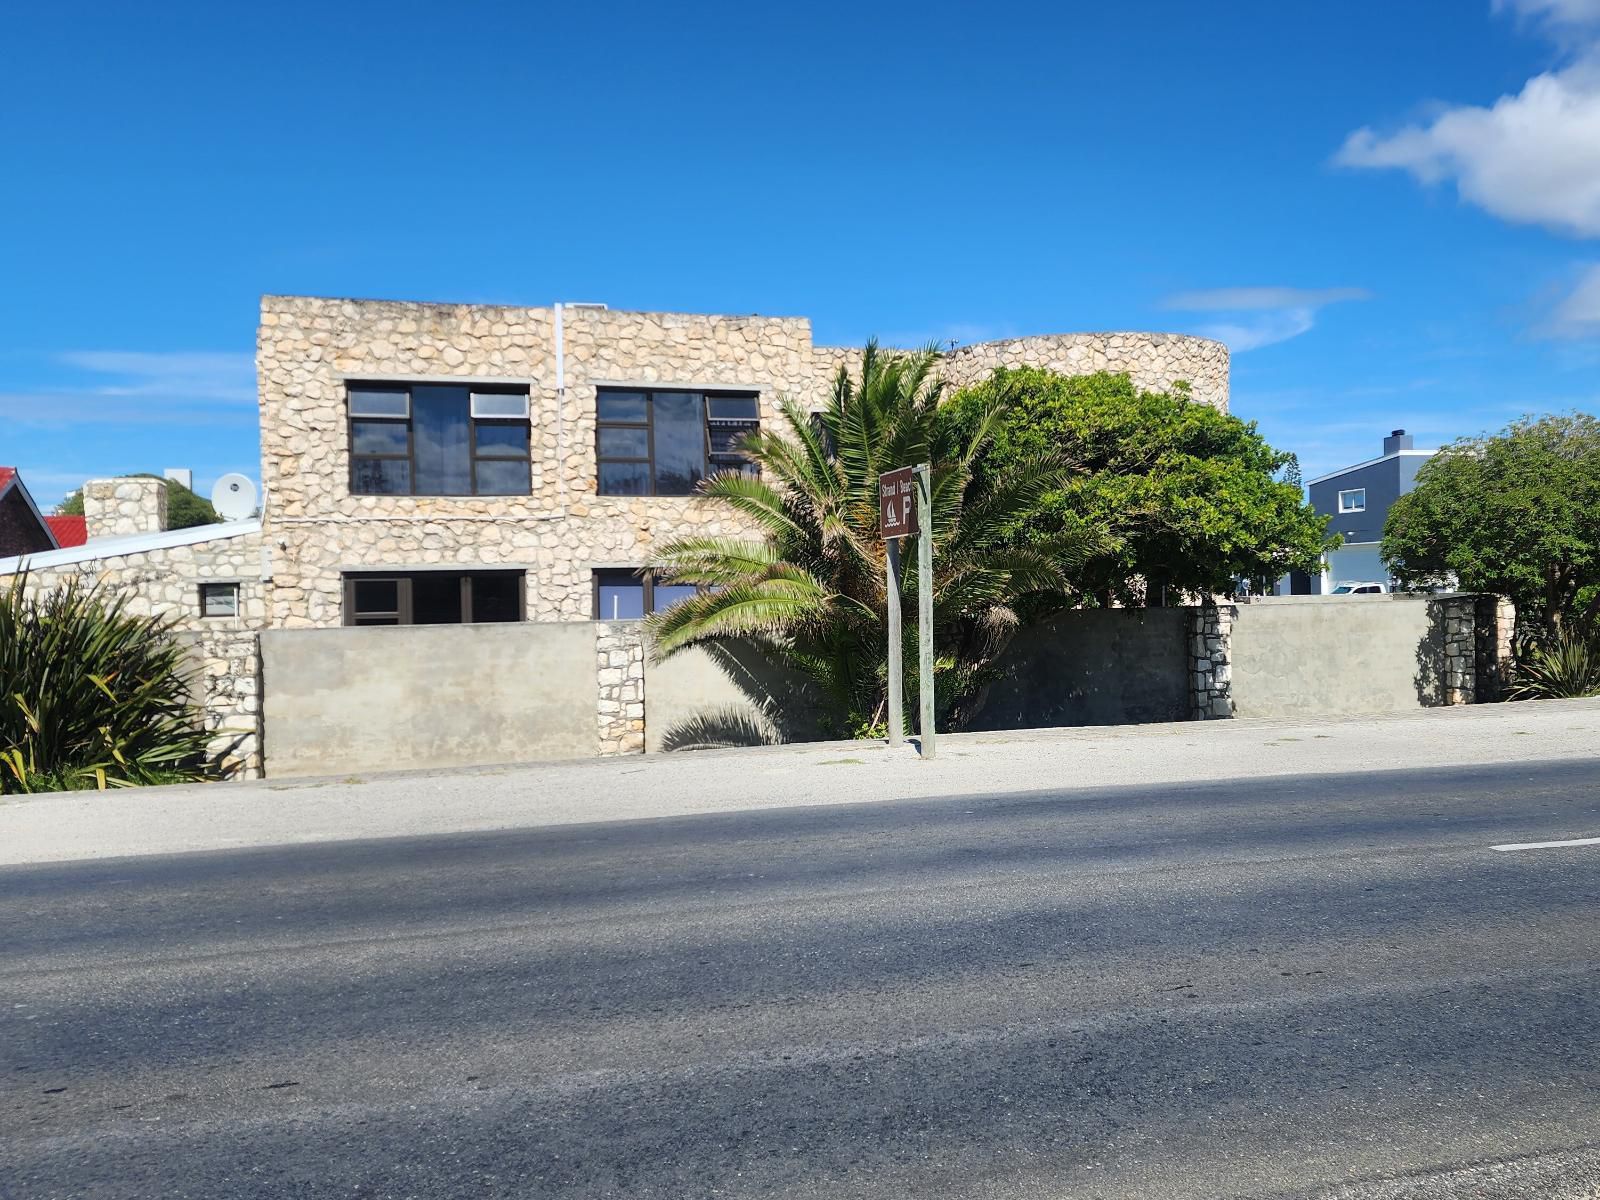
x,y
1360,589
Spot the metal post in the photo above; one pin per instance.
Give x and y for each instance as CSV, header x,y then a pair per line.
x,y
925,605
897,686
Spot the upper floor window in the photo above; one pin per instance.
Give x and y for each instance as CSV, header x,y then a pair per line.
x,y
663,443
1354,500
427,439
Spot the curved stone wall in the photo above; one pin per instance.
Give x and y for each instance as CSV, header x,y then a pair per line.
x,y
1154,361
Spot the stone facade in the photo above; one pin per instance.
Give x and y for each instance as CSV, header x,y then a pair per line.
x,y
1154,361
118,507
310,349
1210,665
619,661
165,580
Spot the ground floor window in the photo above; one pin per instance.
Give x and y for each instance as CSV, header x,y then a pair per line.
x,y
219,599
433,597
626,594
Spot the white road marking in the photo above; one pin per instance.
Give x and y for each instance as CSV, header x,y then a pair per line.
x,y
1594,841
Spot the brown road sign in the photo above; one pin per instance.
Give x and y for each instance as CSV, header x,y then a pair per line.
x,y
897,502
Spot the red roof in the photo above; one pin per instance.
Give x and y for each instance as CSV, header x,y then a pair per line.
x,y
69,531
5,476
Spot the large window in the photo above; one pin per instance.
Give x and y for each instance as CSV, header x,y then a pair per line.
x,y
624,594
438,440
663,443
432,597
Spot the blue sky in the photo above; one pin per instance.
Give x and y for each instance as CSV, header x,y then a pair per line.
x,y
1390,211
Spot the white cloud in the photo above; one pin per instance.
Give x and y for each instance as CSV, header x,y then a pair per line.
x,y
1569,13
1276,314
140,388
1578,314
1532,158
228,376
1241,299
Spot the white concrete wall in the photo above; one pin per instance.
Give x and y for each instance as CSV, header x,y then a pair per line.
x,y
425,696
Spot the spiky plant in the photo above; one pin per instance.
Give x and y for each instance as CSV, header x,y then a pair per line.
x,y
91,696
811,593
1559,666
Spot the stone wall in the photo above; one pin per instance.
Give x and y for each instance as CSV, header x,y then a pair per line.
x,y
131,504
1097,666
1154,361
166,580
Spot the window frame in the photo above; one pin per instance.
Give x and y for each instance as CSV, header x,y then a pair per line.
x,y
232,586
708,455
645,575
1352,508
473,390
404,611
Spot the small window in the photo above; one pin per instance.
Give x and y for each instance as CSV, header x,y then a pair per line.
x,y
663,443
623,594
219,599
1354,500
433,598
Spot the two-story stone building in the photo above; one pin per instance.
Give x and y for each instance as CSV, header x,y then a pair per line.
x,y
436,464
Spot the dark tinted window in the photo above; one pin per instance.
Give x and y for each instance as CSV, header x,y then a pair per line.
x,y
422,439
664,443
433,597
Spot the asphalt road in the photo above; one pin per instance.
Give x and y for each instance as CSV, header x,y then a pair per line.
x,y
1262,988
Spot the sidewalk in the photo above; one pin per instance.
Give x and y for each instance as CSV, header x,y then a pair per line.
x,y
79,825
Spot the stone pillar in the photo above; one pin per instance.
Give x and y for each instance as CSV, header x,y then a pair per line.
x,y
619,661
225,683
1211,660
1457,621
119,507
1496,628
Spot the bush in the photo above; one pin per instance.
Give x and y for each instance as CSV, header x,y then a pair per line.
x,y
91,696
1561,666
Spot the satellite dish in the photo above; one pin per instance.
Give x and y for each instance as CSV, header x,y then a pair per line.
x,y
234,497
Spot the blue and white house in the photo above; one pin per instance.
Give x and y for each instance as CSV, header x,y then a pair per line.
x,y
1358,499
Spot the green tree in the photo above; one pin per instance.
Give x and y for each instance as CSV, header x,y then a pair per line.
x,y
184,508
1516,513
1194,500
811,595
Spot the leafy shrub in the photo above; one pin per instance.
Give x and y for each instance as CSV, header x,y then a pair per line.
x,y
1564,665
91,696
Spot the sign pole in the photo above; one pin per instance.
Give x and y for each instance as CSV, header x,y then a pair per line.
x,y
897,686
925,605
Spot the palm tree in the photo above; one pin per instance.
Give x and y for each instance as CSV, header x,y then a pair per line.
x,y
811,594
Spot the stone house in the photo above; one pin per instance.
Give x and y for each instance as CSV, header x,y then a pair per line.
x,y
428,464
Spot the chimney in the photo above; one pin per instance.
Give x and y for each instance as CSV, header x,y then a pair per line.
x,y
1397,441
127,505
